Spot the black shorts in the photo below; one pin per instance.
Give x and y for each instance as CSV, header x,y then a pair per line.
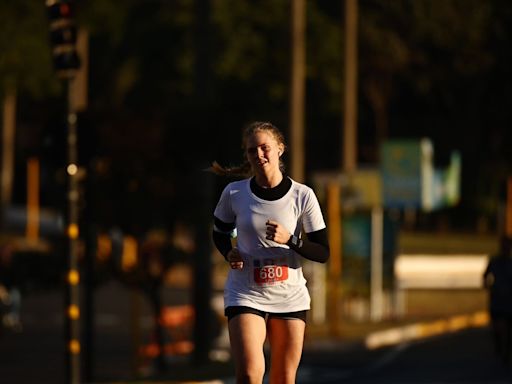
x,y
233,311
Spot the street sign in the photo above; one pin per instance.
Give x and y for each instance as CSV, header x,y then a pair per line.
x,y
401,162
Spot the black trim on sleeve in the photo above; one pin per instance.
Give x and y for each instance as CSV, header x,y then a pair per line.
x,y
315,247
222,240
222,226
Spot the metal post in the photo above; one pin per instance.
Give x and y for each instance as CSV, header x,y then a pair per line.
x,y
318,292
32,232
73,346
335,264
376,298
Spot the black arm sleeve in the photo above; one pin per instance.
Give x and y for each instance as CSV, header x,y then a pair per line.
x,y
315,247
221,236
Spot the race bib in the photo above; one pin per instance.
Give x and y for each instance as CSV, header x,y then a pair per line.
x,y
269,272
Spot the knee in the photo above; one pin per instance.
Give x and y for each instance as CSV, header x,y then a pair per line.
x,y
250,375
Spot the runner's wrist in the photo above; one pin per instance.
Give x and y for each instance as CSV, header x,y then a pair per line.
x,y
294,242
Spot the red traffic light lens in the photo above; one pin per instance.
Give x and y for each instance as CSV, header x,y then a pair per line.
x,y
60,10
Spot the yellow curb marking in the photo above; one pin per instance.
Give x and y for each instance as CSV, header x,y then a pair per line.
x,y
422,330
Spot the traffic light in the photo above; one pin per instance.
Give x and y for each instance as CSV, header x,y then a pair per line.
x,y
63,36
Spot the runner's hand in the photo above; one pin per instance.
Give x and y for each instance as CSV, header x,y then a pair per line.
x,y
276,232
234,259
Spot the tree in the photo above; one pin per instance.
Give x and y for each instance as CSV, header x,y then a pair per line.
x,y
25,67
422,45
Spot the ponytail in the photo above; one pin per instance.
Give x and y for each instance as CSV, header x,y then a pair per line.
x,y
242,170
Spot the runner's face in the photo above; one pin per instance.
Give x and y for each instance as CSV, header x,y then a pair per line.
x,y
263,151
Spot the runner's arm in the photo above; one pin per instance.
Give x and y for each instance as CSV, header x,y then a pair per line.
x,y
221,235
314,247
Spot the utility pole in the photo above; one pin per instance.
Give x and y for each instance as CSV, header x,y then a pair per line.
x,y
348,166
335,261
297,90
350,99
202,184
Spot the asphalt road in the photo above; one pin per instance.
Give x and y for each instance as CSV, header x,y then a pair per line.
x,y
36,354
457,358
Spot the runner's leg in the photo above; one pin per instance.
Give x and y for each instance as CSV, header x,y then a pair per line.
x,y
247,333
286,337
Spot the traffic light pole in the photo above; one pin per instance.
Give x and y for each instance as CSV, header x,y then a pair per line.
x,y
72,232
63,39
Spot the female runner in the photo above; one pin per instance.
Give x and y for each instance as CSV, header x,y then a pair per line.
x,y
277,222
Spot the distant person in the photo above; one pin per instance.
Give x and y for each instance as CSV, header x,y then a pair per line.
x,y
265,295
498,280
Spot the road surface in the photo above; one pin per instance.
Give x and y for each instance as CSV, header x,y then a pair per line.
x,y
36,354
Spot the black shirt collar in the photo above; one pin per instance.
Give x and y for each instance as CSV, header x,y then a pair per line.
x,y
271,193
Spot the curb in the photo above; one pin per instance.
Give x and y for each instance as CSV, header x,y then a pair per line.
x,y
425,329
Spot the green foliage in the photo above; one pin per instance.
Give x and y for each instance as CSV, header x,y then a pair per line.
x,y
426,68
109,18
25,59
426,40
252,43
324,57
248,34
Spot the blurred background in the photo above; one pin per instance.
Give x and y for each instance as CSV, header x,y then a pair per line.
x,y
396,112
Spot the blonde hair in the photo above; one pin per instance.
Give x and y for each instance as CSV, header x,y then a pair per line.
x,y
244,169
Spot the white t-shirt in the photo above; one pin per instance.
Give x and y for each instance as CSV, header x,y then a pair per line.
x,y
271,279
